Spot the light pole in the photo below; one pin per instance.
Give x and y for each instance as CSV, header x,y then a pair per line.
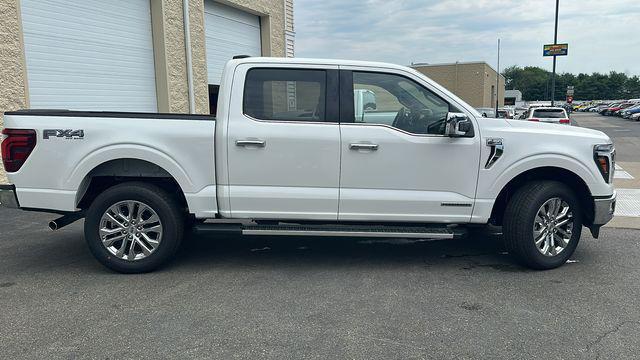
x,y
553,74
498,81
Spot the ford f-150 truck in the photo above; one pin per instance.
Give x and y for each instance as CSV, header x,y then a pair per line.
x,y
292,151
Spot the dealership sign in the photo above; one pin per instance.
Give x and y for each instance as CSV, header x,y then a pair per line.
x,y
555,50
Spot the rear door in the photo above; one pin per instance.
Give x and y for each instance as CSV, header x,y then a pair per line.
x,y
397,165
284,143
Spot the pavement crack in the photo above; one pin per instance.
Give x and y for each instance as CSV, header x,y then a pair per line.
x,y
605,334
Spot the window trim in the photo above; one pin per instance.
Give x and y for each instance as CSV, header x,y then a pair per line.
x,y
347,110
332,100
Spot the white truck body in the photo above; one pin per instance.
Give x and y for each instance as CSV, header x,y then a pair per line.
x,y
235,166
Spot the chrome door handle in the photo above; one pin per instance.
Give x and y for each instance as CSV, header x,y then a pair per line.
x,y
256,143
363,146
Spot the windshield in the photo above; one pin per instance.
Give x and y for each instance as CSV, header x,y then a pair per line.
x,y
549,113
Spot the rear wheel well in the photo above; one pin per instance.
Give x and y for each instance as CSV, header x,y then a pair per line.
x,y
118,171
564,176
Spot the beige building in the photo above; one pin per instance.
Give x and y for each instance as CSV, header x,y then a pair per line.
x,y
131,55
474,82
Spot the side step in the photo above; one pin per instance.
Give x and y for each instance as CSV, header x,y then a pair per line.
x,y
419,232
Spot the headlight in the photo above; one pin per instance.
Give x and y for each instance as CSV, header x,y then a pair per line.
x,y
604,156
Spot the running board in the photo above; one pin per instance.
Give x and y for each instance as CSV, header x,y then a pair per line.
x,y
414,232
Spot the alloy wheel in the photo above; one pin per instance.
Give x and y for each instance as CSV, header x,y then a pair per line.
x,y
553,227
130,230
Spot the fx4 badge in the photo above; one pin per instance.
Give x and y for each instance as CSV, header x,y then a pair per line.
x,y
65,134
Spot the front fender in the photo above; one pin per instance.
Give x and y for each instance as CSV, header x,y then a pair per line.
x,y
491,189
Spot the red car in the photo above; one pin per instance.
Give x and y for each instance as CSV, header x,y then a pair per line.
x,y
617,107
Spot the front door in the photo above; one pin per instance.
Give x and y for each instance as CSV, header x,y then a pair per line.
x,y
397,164
284,143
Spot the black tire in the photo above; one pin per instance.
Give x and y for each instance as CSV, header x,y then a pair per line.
x,y
518,223
164,205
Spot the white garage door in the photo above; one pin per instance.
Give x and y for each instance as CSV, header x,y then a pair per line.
x,y
228,32
89,54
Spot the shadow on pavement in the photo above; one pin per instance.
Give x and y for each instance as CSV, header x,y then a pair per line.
x,y
480,249
27,245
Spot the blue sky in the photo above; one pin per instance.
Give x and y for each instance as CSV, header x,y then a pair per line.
x,y
603,35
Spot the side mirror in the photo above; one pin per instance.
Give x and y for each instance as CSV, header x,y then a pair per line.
x,y
369,100
364,100
458,125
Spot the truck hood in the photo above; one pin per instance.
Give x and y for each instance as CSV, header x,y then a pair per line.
x,y
553,130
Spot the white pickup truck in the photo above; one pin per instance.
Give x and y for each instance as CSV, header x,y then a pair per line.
x,y
287,155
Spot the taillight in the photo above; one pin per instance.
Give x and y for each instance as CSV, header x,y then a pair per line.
x,y
565,121
16,147
534,119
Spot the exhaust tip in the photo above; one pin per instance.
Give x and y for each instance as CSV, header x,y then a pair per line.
x,y
53,225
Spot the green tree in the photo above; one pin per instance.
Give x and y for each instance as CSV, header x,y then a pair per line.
x,y
535,84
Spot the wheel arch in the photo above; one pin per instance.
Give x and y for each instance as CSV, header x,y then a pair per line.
x,y
116,171
567,177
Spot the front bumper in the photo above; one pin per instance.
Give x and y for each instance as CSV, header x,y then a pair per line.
x,y
8,196
603,209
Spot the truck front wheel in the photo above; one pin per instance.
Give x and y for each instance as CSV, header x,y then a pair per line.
x,y
542,224
133,227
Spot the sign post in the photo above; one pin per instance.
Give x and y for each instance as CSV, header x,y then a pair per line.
x,y
553,53
570,92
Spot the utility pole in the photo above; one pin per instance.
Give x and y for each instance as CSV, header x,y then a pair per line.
x,y
553,75
498,81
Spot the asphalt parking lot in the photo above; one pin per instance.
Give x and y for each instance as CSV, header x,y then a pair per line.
x,y
292,298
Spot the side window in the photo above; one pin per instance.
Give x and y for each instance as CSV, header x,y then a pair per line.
x,y
398,102
285,94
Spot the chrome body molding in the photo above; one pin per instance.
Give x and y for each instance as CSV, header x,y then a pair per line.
x,y
497,148
374,234
603,210
455,204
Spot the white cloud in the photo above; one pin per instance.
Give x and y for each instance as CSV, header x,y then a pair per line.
x,y
602,36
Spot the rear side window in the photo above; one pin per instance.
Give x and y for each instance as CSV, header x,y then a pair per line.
x,y
285,94
549,113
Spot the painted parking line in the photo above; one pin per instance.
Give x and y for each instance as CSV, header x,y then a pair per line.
x,y
621,173
628,202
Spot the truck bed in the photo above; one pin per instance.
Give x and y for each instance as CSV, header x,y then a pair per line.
x,y
73,146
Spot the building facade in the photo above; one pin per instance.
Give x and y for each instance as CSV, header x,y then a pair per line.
x,y
513,98
131,55
473,82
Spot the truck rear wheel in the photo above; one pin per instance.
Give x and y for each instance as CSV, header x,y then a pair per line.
x,y
542,224
134,227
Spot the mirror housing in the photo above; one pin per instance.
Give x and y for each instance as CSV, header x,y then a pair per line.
x,y
458,125
364,101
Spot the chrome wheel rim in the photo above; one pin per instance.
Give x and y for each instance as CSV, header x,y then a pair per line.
x,y
130,230
553,227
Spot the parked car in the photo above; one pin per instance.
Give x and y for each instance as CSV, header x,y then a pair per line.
x,y
626,113
554,115
606,110
267,165
599,108
487,112
506,113
635,117
613,110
